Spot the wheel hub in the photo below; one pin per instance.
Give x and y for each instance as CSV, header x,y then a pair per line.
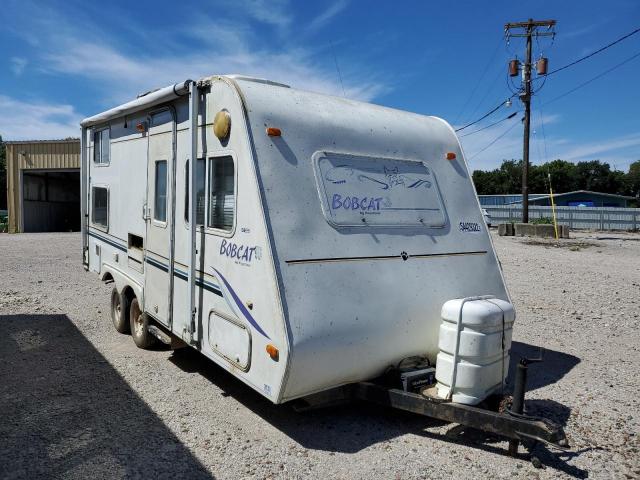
x,y
138,324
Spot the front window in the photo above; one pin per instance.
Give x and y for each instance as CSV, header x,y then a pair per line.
x,y
368,191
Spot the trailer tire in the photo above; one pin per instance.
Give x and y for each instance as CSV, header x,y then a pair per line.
x,y
139,326
119,307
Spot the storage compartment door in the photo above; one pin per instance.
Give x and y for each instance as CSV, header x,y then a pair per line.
x,y
230,339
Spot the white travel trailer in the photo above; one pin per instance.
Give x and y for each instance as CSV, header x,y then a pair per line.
x,y
332,238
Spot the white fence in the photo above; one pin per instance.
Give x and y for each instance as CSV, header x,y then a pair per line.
x,y
592,218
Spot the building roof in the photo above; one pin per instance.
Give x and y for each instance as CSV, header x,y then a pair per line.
x,y
512,195
23,142
587,192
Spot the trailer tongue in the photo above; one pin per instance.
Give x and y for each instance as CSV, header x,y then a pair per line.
x,y
507,423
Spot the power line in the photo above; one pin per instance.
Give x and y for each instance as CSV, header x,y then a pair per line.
x,y
491,124
593,79
335,59
487,91
494,141
544,135
485,115
486,69
594,53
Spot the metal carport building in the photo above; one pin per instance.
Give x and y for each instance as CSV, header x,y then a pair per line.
x,y
43,185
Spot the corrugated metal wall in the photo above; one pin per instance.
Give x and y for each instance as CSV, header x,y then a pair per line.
x,y
591,218
35,155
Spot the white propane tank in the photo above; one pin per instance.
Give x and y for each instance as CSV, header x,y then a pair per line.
x,y
474,344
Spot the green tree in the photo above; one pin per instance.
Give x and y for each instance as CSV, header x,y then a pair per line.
x,y
632,180
598,177
565,177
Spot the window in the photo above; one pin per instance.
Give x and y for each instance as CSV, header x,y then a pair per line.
x,y
160,200
377,192
221,193
161,118
101,147
200,198
100,207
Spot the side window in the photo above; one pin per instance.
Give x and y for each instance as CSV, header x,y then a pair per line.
x,y
160,199
101,146
200,198
100,207
222,201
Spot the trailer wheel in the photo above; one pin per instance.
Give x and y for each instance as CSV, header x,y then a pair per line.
x,y
139,326
119,306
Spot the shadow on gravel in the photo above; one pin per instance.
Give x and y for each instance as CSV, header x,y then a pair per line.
x,y
354,427
67,413
553,367
345,429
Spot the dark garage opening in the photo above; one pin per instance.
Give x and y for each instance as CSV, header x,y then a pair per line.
x,y
51,201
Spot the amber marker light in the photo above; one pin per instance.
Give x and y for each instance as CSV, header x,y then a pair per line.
x,y
273,132
141,127
451,156
273,352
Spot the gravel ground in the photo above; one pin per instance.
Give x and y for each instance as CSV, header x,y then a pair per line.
x,y
79,400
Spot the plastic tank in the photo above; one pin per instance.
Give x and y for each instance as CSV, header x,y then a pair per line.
x,y
474,344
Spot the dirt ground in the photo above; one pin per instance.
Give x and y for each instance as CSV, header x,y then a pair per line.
x,y
80,400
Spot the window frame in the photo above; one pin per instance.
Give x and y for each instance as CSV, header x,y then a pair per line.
x,y
157,222
95,133
186,197
100,226
218,231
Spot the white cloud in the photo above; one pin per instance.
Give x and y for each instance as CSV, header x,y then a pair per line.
x,y
618,151
125,76
219,40
271,12
603,149
324,18
220,46
18,65
32,120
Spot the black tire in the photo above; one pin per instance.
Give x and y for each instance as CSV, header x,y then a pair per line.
x,y
119,310
140,326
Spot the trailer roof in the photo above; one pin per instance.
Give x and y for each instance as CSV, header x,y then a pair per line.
x,y
161,95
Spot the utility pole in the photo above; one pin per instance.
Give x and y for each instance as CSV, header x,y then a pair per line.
x,y
529,29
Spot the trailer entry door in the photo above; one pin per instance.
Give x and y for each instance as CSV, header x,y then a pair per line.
x,y
160,216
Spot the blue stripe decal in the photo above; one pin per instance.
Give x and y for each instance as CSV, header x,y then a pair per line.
x,y
240,305
107,240
156,264
211,287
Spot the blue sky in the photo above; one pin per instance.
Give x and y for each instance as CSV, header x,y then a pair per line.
x,y
63,60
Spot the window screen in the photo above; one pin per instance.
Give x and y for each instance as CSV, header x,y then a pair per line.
x,y
221,193
200,198
160,201
101,146
100,206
